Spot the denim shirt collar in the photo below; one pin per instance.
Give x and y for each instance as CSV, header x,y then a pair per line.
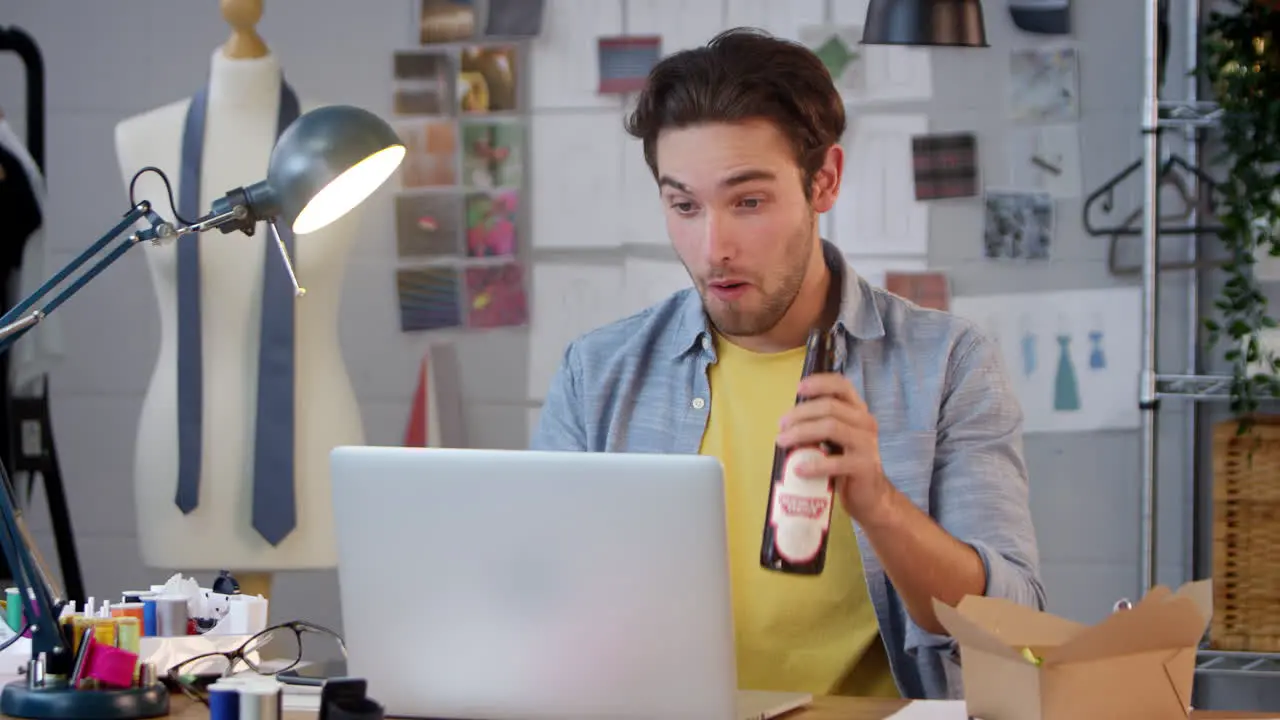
x,y
859,315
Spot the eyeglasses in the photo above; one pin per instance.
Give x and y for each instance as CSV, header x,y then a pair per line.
x,y
194,675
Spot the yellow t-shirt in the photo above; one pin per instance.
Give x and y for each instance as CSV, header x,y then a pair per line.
x,y
795,633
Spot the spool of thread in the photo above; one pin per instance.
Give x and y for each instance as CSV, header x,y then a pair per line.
x,y
13,609
149,617
171,616
224,700
260,700
133,610
104,631
129,634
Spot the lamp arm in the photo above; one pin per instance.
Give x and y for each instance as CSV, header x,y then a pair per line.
x,y
37,592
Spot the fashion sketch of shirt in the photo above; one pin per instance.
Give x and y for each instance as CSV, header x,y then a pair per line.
x,y
27,266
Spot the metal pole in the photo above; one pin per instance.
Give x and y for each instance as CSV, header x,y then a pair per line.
x,y
1191,456
1150,292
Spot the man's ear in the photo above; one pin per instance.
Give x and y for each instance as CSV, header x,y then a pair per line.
x,y
826,182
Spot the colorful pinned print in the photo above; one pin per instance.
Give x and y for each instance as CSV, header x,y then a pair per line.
x,y
491,224
446,21
492,154
430,153
496,296
625,62
487,80
429,299
428,225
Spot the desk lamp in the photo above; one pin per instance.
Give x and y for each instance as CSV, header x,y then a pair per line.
x,y
324,164
952,23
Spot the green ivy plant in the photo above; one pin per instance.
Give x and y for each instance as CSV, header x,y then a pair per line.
x,y
1240,57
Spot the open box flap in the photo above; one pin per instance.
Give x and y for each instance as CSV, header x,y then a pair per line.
x,y
1017,625
1180,669
1200,593
970,634
1170,624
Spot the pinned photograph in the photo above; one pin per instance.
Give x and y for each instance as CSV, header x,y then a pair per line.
x,y
487,79
945,166
430,153
1044,85
837,47
491,224
929,289
514,18
496,296
492,154
429,298
625,62
1018,225
1047,158
423,84
428,225
446,21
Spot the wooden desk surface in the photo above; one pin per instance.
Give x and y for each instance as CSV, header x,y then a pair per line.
x,y
823,708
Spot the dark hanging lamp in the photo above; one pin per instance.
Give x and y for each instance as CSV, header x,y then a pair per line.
x,y
949,23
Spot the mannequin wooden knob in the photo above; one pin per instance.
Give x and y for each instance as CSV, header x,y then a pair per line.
x,y
243,17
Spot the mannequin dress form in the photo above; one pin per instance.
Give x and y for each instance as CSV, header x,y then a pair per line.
x,y
244,94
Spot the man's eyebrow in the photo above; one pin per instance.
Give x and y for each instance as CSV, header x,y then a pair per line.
x,y
673,183
745,176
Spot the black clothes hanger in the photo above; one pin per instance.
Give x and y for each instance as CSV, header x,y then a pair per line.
x,y
36,410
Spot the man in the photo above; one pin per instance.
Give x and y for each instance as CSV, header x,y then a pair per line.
x,y
743,139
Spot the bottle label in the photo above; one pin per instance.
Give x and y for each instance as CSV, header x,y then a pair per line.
x,y
801,512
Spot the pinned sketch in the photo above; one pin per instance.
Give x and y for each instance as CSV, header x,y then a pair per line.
x,y
496,296
514,18
423,83
927,289
487,79
445,21
491,224
567,300
428,225
1044,85
945,165
625,62
578,194
1071,356
428,298
1047,158
838,49
430,153
876,213
1018,225
492,154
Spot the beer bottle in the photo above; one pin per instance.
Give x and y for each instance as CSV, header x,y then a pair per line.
x,y
799,512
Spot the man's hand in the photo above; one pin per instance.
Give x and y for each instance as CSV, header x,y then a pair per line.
x,y
835,413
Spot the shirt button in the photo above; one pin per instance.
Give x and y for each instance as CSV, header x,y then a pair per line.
x,y
706,343
698,403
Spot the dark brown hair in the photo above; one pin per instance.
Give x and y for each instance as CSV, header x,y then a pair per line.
x,y
744,74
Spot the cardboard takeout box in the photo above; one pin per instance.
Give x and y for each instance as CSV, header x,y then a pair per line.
x,y
1136,664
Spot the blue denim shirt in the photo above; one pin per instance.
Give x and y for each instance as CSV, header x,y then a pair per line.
x,y
950,433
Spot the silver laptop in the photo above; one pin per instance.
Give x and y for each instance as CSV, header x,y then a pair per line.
x,y
495,584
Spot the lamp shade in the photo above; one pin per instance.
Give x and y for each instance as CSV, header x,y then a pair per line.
x,y
327,162
955,23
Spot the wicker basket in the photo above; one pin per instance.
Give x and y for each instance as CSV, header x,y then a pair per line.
x,y
1246,537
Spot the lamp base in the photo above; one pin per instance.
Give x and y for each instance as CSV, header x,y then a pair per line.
x,y
52,703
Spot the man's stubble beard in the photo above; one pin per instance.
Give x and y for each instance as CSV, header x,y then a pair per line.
x,y
734,321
